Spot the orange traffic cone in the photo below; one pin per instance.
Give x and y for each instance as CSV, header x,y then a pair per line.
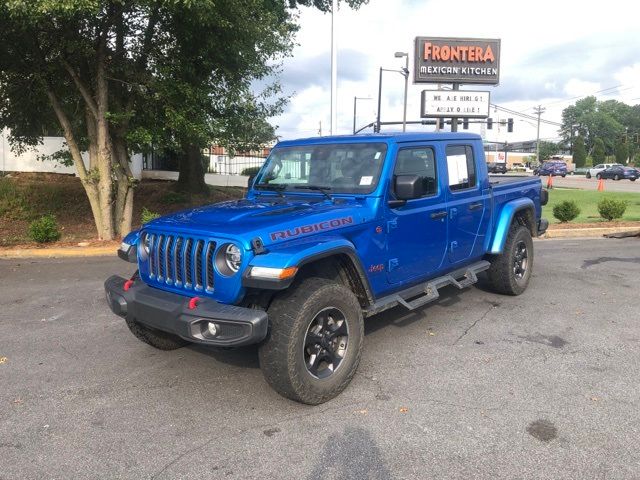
x,y
601,185
550,182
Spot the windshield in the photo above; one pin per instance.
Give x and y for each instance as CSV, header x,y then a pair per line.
x,y
339,167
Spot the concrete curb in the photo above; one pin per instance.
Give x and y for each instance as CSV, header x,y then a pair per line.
x,y
585,232
58,252
110,250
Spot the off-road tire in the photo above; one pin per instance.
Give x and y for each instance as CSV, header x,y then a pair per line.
x,y
502,277
282,353
156,338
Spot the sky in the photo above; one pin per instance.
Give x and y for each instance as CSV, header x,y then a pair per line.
x,y
552,53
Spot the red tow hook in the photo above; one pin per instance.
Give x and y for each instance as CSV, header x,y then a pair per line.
x,y
193,303
127,285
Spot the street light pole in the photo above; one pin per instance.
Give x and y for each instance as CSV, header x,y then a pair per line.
x,y
377,129
405,72
334,69
539,111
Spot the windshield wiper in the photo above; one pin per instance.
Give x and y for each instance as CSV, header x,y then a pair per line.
x,y
318,188
276,187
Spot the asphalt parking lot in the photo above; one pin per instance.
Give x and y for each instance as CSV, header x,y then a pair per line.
x,y
544,385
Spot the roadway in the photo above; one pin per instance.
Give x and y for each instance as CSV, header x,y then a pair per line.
x,y
477,385
583,183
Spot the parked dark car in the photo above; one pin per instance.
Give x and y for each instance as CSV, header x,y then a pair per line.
x,y
552,168
618,173
497,167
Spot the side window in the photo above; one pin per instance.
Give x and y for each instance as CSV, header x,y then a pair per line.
x,y
599,166
418,161
461,167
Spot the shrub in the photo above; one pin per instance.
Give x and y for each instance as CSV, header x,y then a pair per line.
x,y
566,210
148,215
610,208
44,229
250,171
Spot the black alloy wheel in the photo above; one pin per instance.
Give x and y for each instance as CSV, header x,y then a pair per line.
x,y
326,342
520,261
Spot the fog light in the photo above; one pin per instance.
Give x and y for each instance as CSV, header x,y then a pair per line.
x,y
212,328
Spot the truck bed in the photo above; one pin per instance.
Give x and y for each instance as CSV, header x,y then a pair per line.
x,y
499,179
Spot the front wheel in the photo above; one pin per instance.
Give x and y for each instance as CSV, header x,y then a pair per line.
x,y
510,271
588,175
616,177
599,177
315,341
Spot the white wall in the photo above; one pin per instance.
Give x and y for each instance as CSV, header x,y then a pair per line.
x,y
28,161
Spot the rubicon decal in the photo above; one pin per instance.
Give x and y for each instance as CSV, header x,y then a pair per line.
x,y
314,227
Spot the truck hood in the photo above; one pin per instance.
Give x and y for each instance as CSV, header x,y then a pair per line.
x,y
266,218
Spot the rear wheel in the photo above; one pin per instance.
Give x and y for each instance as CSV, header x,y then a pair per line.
x,y
616,177
315,341
156,338
510,271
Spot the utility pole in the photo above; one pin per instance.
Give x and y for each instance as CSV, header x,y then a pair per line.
x,y
454,120
539,110
334,70
320,129
377,127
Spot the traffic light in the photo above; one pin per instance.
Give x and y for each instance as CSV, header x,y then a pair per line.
x,y
465,123
489,123
510,125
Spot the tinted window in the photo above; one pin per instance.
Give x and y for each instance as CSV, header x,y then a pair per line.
x,y
418,161
461,167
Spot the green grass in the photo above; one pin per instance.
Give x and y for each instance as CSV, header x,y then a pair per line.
x,y
588,200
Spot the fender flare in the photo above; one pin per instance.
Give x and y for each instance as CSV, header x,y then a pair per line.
x,y
299,254
507,215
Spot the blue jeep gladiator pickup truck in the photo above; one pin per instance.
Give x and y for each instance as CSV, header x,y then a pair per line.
x,y
332,230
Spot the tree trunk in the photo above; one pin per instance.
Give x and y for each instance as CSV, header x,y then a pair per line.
x,y
123,213
191,177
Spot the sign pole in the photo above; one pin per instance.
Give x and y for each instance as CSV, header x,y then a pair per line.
x,y
454,120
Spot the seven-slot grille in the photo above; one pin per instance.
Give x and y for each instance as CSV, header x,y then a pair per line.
x,y
181,261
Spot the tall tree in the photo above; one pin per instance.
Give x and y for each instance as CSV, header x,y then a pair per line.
x,y
598,154
596,119
579,152
118,76
547,149
621,151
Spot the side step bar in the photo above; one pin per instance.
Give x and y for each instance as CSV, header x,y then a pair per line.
x,y
428,292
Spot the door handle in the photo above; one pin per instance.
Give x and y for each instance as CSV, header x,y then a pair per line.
x,y
475,206
439,215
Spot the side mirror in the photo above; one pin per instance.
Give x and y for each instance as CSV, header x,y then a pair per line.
x,y
407,187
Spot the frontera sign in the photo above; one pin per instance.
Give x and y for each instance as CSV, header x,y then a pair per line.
x,y
457,60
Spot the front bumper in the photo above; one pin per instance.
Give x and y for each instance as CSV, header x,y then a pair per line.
x,y
170,312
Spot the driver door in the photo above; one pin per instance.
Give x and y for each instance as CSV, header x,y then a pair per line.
x,y
417,230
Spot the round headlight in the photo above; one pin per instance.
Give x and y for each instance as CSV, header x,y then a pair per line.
x,y
146,243
232,257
